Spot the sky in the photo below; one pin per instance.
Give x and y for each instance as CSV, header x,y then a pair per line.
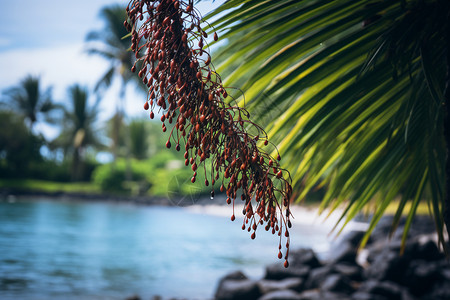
x,y
47,38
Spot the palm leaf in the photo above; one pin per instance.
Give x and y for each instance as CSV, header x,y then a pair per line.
x,y
351,93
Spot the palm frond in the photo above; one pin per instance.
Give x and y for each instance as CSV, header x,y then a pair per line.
x,y
351,92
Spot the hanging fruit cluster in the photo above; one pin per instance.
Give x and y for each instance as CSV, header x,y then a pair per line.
x,y
169,44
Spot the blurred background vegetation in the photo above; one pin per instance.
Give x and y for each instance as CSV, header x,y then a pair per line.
x,y
123,155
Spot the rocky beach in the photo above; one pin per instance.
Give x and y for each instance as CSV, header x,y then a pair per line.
x,y
377,272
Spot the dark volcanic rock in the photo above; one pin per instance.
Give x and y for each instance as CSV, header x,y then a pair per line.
x,y
343,252
281,295
231,289
317,276
440,291
322,295
337,283
388,265
277,271
304,257
351,271
387,289
421,275
266,286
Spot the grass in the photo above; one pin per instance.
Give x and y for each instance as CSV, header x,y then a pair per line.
x,y
50,186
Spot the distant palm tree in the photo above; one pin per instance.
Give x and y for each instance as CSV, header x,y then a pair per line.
x,y
30,101
139,139
355,93
78,132
111,44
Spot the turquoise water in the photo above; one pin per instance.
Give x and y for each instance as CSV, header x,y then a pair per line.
x,y
80,250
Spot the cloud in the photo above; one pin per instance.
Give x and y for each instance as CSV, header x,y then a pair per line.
x,y
61,67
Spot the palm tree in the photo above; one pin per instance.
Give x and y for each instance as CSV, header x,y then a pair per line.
x,y
355,93
112,44
30,101
78,132
138,138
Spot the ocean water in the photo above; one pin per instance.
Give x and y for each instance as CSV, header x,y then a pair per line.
x,y
98,250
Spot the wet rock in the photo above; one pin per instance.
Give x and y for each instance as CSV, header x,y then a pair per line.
x,y
440,291
360,295
236,275
388,265
281,295
428,251
387,289
337,283
230,289
343,252
421,275
267,286
351,271
277,271
317,276
304,257
322,295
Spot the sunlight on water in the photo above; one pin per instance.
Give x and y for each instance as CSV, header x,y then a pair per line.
x,y
78,250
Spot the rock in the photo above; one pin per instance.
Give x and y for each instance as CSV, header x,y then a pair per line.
x,y
231,289
134,297
421,275
344,252
304,257
440,291
235,275
428,251
367,296
281,295
351,271
337,283
354,237
388,265
267,286
317,276
277,271
322,295
387,289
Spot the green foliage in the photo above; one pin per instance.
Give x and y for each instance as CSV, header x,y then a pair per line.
x,y
78,130
112,177
19,148
352,93
49,186
28,100
138,139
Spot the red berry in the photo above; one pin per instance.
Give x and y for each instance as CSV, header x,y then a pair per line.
x,y
168,144
280,255
233,218
146,106
286,264
152,115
